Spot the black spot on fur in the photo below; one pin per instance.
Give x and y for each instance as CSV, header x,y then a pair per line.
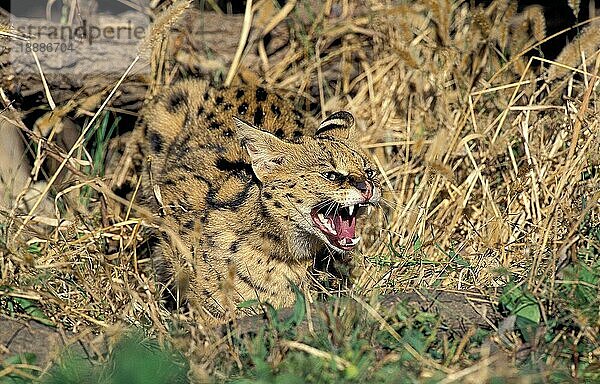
x,y
201,178
239,93
264,212
225,165
200,111
206,95
219,99
210,241
246,279
259,116
234,247
299,123
261,94
243,108
297,134
185,166
227,106
228,133
277,204
176,100
230,203
210,116
279,133
189,224
273,237
169,182
214,125
299,201
267,195
276,111
156,142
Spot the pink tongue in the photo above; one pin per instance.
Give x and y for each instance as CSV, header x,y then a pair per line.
x,y
345,227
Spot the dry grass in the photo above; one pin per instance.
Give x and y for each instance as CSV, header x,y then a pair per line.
x,y
487,152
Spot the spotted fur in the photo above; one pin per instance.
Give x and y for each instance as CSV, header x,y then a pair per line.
x,y
234,173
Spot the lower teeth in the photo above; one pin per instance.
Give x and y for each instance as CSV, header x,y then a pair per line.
x,y
351,242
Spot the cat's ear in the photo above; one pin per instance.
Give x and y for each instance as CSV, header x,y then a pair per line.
x,y
339,125
266,151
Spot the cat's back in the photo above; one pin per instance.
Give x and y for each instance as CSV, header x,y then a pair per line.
x,y
195,157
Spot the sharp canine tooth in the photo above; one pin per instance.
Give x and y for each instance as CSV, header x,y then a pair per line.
x,y
369,209
351,210
322,218
353,242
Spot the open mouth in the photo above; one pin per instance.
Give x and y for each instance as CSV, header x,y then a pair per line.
x,y
339,224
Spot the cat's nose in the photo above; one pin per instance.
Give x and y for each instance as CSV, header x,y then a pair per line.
x,y
365,188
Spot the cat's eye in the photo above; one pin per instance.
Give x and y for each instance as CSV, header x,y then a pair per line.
x,y
370,173
331,176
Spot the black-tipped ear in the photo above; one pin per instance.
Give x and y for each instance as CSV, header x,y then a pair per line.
x,y
339,125
266,151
